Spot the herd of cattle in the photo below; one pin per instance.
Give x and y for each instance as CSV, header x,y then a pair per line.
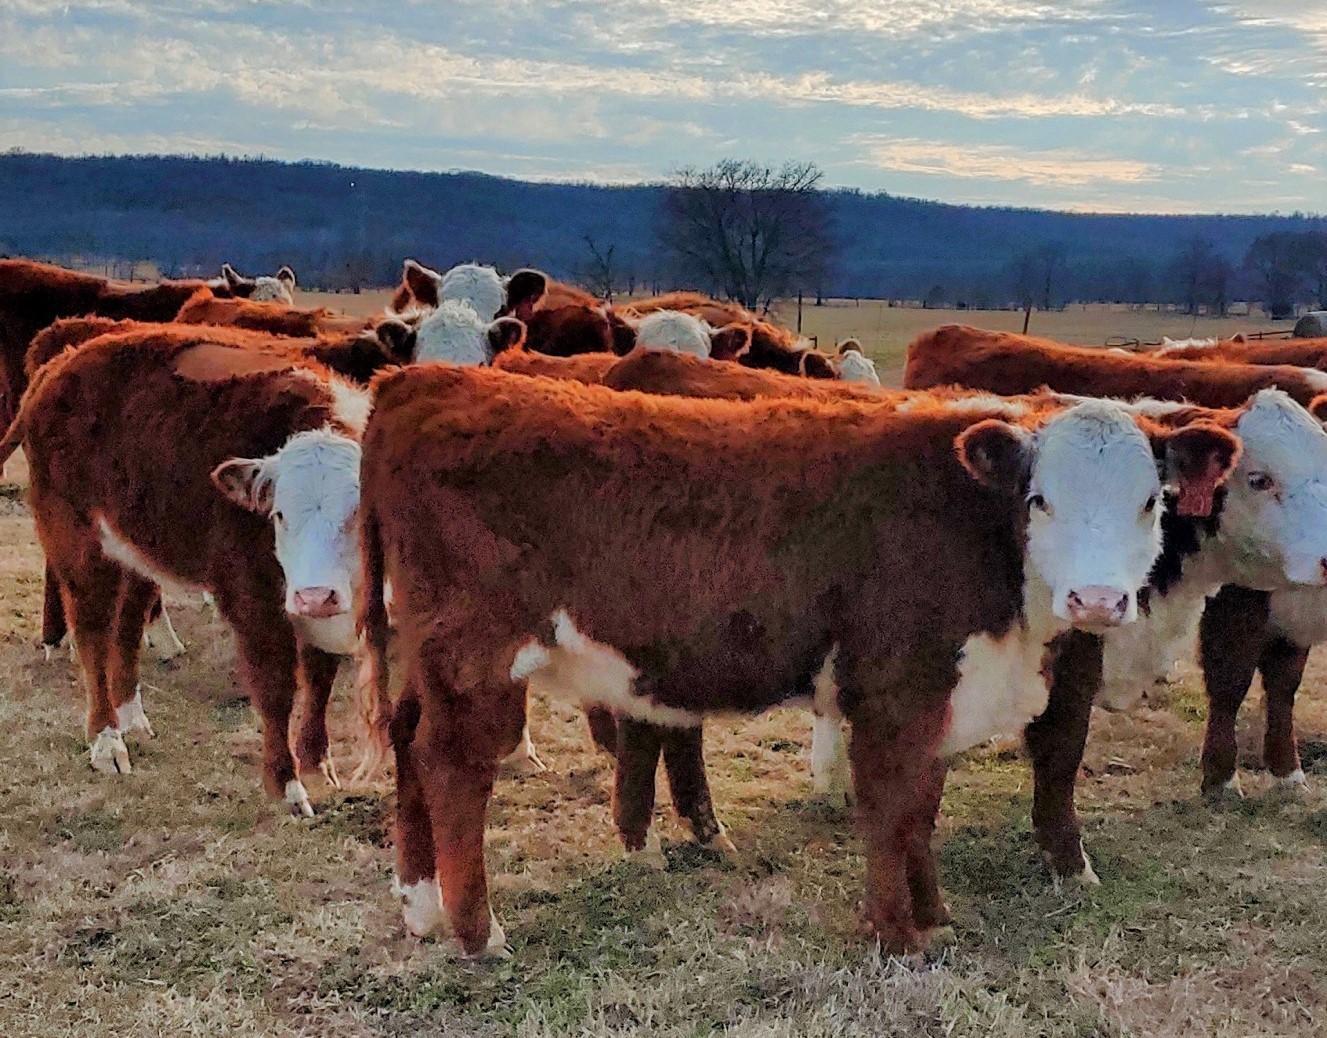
x,y
502,486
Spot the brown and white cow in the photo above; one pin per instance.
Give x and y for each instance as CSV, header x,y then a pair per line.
x,y
1272,609
272,316
244,482
1006,363
692,572
1303,353
279,288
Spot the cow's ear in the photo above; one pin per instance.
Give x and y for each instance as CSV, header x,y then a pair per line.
x,y
425,285
1318,407
996,454
525,289
1197,459
287,275
506,333
236,281
397,338
815,365
730,342
245,483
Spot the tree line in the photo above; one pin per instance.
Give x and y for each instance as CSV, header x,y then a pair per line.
x,y
740,229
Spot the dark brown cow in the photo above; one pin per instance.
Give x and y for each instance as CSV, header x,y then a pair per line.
x,y
1242,631
241,439
1005,363
709,555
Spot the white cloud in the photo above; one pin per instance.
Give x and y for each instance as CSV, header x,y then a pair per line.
x,y
1060,168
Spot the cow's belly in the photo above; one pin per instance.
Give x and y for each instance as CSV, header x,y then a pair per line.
x,y
585,671
119,548
1002,685
1299,615
334,634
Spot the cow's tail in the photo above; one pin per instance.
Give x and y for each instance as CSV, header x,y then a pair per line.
x,y
371,693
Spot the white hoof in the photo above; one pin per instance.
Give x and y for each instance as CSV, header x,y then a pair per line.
x,y
297,797
524,760
160,635
421,906
130,717
110,756
1295,782
651,855
329,773
496,945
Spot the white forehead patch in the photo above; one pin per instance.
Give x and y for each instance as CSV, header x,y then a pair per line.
x,y
1095,432
481,287
453,333
311,461
675,332
1283,438
271,290
857,367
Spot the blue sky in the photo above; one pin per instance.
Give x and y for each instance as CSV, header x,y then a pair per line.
x,y
1111,105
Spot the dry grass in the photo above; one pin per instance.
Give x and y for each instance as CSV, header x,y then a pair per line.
x,y
885,331
180,901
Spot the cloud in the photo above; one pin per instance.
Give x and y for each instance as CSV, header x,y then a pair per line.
x,y
1059,168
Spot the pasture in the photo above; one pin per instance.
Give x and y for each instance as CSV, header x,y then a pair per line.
x,y
181,900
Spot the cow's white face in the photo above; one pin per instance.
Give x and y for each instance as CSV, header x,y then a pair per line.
x,y
310,490
1275,515
272,290
481,287
1090,480
1094,515
455,333
674,331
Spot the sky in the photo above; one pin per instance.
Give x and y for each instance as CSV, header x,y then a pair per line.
x,y
1106,105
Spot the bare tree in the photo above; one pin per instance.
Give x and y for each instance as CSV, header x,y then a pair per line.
x,y
1311,259
1273,259
749,231
1050,262
598,274
1190,269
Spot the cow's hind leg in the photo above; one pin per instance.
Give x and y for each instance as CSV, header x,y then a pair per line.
x,y
929,911
1282,669
135,599
416,880
638,747
53,624
684,761
317,676
462,735
90,596
1231,640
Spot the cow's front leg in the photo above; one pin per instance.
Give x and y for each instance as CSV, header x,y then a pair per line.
x,y
1056,742
638,746
317,670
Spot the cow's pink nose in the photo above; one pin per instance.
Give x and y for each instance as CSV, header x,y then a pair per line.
x,y
1098,606
317,602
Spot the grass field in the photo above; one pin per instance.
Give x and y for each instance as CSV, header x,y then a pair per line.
x,y
180,900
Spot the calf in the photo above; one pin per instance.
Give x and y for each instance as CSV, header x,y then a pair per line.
x,y
245,482
693,572
1259,621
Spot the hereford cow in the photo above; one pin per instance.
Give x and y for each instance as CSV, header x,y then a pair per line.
x,y
1303,353
1266,627
710,554
853,365
1003,362
244,483
262,289
487,292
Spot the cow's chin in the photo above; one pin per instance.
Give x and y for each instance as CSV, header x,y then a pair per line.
x,y
320,612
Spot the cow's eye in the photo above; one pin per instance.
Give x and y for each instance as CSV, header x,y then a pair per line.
x,y
1150,506
1260,481
1039,503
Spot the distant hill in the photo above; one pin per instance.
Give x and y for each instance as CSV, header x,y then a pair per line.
x,y
340,226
